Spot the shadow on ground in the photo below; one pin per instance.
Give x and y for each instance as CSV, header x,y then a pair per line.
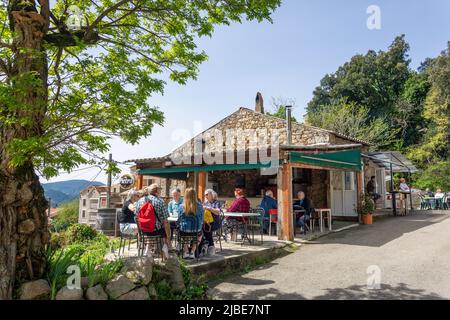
x,y
386,292
389,230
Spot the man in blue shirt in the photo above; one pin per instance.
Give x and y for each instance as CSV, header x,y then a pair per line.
x,y
268,202
175,204
303,203
174,208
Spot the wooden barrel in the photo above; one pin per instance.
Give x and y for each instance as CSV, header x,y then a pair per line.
x,y
106,221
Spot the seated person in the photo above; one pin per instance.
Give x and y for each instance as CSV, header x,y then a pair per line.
x,y
174,208
127,216
162,224
190,220
241,205
176,203
268,202
371,189
213,205
403,186
428,193
304,203
439,194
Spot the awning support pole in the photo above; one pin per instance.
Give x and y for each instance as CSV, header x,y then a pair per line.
x,y
285,224
394,204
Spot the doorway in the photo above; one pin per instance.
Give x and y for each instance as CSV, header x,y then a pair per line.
x,y
344,194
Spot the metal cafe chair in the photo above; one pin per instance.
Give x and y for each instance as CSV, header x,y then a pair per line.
x,y
125,237
273,218
218,234
256,223
155,242
189,240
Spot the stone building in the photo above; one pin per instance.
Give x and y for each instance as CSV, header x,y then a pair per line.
x,y
261,152
265,152
93,198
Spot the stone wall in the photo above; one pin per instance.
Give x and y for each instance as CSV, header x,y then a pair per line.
x,y
246,119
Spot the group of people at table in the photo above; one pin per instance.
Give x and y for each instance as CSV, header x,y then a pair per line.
x,y
195,218
429,198
433,200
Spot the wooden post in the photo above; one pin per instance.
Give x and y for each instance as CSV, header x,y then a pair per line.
x,y
201,188
285,219
139,181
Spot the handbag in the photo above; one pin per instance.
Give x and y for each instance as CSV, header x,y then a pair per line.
x,y
208,217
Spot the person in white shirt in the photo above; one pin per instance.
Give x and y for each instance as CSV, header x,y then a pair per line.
x,y
403,186
439,194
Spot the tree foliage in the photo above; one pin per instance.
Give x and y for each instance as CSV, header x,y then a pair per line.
x,y
279,108
376,97
374,80
432,154
101,77
353,120
67,215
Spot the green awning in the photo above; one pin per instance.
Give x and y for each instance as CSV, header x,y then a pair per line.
x,y
181,171
347,160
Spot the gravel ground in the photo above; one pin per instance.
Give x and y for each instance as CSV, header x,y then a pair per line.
x,y
412,254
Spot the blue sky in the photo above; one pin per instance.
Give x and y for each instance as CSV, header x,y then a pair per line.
x,y
287,58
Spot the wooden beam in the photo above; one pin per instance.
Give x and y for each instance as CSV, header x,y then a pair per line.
x,y
139,181
285,228
201,187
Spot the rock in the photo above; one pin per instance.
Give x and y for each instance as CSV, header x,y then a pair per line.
x,y
69,294
138,294
96,293
84,281
119,286
35,290
153,295
138,270
172,272
26,227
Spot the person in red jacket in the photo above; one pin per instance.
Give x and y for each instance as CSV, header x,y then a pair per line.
x,y
241,205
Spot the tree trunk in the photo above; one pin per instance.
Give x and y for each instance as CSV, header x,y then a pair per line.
x,y
23,220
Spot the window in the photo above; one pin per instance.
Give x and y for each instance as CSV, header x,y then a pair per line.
x,y
93,204
84,202
349,179
337,180
83,214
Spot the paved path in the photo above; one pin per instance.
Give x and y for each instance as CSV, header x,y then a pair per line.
x,y
413,254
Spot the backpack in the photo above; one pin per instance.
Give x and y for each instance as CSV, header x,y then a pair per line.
x,y
147,218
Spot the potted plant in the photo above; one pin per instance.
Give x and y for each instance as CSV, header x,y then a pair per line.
x,y
367,209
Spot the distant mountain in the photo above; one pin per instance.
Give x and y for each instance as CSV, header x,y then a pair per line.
x,y
64,191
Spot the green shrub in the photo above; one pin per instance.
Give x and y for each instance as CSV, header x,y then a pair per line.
x,y
67,216
58,261
58,240
81,233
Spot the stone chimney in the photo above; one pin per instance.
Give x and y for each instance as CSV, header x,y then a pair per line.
x,y
259,105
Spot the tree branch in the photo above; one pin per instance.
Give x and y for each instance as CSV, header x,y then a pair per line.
x,y
107,11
